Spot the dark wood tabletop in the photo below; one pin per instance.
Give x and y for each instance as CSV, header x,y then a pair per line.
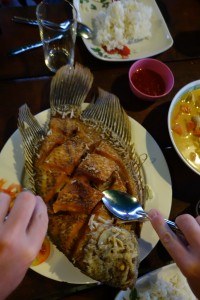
x,y
26,79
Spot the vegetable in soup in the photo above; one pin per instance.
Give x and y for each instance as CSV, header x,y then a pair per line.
x,y
185,125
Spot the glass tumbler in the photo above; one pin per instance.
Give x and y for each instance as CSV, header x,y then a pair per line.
x,y
57,24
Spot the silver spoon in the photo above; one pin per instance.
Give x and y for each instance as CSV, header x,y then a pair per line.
x,y
127,208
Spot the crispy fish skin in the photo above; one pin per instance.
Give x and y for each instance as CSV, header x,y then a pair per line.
x,y
80,167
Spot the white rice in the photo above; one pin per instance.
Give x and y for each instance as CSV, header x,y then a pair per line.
x,y
122,23
171,287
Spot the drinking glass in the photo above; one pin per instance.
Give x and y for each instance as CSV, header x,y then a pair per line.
x,y
57,24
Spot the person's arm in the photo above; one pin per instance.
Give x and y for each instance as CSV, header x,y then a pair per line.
x,y
22,231
187,257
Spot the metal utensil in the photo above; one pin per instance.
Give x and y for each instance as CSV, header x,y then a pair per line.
x,y
127,207
30,46
23,20
82,30
24,48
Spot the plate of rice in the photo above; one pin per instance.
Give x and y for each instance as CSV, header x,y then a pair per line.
x,y
124,30
164,283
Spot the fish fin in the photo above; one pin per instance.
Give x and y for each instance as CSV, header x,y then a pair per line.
x,y
69,89
31,133
109,115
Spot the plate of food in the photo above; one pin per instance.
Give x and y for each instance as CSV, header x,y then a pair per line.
x,y
155,173
57,266
164,283
124,30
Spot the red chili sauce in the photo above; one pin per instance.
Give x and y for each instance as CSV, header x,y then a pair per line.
x,y
148,82
124,52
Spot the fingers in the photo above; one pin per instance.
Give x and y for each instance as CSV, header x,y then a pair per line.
x,y
174,246
39,223
4,206
22,211
191,229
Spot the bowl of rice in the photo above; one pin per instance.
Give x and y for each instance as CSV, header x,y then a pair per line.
x,y
165,283
150,79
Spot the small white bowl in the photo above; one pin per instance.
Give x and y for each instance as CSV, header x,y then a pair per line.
x,y
187,88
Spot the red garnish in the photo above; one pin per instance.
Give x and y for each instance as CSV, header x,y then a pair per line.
x,y
124,52
13,190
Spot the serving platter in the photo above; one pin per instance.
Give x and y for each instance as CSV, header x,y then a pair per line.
x,y
169,273
160,40
156,175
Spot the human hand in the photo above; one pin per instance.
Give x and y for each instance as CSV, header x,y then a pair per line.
x,y
22,232
187,257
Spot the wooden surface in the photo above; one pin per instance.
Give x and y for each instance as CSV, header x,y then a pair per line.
x,y
25,78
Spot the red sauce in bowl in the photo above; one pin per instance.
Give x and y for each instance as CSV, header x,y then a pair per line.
x,y
148,82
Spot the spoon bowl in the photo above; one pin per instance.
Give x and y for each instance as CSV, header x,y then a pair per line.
x,y
123,206
127,208
84,31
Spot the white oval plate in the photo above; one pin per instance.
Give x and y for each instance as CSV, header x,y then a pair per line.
x,y
160,40
156,174
169,271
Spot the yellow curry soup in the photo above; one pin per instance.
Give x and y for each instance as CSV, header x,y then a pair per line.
x,y
185,125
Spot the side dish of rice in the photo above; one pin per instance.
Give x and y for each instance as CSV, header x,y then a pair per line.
x,y
122,23
169,285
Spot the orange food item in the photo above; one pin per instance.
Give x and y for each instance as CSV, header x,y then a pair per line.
x,y
196,132
190,126
185,108
13,190
178,129
43,253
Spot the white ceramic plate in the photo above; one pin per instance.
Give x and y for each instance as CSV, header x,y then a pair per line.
x,y
156,173
160,40
167,272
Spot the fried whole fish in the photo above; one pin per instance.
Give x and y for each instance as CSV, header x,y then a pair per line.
x,y
70,161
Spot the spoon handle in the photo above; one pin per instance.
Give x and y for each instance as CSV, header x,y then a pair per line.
x,y
171,224
177,231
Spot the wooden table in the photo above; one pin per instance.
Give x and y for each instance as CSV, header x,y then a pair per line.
x,y
25,78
